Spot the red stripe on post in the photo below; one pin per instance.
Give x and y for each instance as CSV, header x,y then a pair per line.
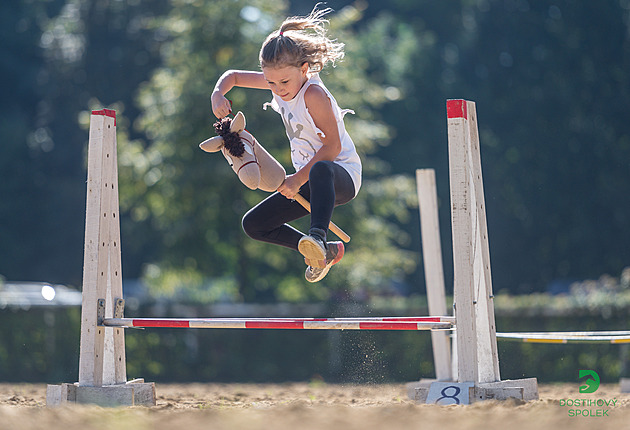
x,y
161,323
456,109
107,112
274,324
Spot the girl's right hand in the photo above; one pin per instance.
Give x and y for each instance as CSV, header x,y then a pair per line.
x,y
220,105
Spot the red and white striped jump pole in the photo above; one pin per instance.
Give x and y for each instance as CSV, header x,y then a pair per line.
x,y
377,323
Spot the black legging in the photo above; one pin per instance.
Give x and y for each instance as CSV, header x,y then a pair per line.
x,y
328,185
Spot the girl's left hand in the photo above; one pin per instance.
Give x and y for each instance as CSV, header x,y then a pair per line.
x,y
290,187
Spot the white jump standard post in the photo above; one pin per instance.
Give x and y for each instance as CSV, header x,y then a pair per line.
x,y
478,376
434,278
433,269
102,364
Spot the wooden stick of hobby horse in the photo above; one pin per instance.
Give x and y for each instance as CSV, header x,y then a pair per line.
x,y
339,232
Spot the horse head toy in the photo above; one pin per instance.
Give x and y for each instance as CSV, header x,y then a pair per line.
x,y
253,165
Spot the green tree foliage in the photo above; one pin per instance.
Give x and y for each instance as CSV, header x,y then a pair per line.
x,y
551,85
59,57
549,78
194,202
554,89
25,140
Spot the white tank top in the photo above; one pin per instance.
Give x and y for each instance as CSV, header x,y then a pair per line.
x,y
303,133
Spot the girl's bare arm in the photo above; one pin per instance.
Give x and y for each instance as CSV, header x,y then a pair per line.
x,y
230,79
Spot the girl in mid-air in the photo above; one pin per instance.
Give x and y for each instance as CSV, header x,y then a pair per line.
x,y
327,166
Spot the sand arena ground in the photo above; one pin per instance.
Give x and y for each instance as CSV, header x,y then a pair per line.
x,y
307,406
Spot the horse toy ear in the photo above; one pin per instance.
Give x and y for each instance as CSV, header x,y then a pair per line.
x,y
212,145
234,145
238,123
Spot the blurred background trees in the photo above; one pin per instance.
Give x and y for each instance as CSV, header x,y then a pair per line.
x,y
550,79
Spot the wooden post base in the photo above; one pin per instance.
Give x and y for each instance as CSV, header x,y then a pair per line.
x,y
133,393
464,393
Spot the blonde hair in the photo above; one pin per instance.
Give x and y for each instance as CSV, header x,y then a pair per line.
x,y
301,40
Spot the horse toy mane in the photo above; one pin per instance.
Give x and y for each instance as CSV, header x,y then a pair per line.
x,y
231,140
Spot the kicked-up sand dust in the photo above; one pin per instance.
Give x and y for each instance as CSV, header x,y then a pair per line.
x,y
306,406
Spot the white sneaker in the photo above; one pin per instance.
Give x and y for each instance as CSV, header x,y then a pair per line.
x,y
334,255
314,250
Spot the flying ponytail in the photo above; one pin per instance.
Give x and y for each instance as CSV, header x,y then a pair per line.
x,y
301,40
